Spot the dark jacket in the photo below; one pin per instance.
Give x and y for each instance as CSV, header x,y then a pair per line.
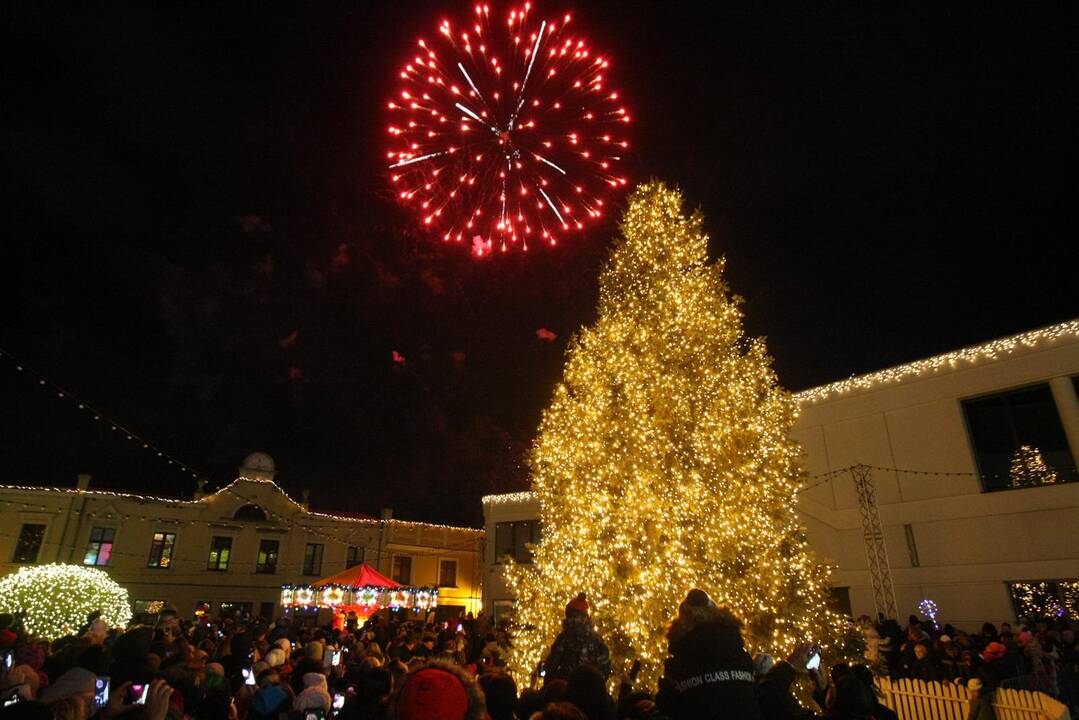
x,y
981,708
774,693
924,669
578,644
883,712
709,674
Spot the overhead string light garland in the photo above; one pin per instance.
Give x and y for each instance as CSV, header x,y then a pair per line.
x,y
96,415
506,132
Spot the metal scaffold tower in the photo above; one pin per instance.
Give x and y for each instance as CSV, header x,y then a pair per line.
x,y
876,552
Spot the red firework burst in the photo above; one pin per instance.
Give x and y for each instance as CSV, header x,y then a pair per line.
x,y
506,133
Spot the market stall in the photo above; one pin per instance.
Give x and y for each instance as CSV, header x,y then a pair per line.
x,y
361,590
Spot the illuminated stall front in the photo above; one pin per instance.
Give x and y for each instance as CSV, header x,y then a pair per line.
x,y
360,590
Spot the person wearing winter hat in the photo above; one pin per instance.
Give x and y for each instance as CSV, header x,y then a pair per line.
x,y
762,663
774,689
578,644
577,606
709,674
314,650
981,701
315,694
438,691
75,682
275,658
270,699
994,651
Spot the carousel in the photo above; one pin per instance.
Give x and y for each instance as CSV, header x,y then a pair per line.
x,y
359,591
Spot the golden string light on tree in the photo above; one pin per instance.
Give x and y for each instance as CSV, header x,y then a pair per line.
x,y
665,462
57,598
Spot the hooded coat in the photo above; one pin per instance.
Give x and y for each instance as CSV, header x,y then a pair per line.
x,y
578,644
709,674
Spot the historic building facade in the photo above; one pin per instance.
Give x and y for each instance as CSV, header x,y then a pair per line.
x,y
232,548
972,457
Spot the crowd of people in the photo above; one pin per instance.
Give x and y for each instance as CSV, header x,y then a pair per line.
x,y
397,667
1041,657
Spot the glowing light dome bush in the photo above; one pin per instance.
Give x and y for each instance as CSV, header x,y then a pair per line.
x,y
57,598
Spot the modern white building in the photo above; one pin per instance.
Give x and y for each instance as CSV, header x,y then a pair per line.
x,y
972,455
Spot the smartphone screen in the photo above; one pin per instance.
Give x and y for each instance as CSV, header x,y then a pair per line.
x,y
9,660
249,676
101,691
136,693
338,701
336,658
813,662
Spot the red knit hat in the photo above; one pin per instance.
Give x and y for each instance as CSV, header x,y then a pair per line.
x,y
432,693
578,605
994,651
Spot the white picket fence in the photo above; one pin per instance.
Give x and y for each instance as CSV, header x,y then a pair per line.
x,y
920,700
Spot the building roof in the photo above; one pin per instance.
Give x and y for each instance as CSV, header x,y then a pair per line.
x,y
358,518
1032,340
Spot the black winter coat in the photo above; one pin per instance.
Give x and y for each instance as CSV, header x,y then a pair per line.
x,y
709,674
774,692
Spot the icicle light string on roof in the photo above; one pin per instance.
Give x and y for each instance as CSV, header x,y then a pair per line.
x,y
289,524
363,522
96,415
966,357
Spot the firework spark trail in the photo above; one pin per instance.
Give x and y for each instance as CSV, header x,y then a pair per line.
x,y
556,130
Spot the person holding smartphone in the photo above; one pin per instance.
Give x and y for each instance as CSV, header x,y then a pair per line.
x,y
774,689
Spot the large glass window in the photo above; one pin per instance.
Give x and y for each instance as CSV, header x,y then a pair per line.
x,y
1018,439
28,546
312,559
447,573
237,610
1039,599
161,550
99,550
402,569
355,556
514,538
220,549
266,562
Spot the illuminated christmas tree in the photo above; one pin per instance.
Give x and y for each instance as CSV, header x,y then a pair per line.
x,y
56,599
1029,468
665,462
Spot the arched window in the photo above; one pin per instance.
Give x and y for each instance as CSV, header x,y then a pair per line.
x,y
249,512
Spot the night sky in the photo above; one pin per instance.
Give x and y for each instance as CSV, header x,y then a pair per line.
x,y
200,240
